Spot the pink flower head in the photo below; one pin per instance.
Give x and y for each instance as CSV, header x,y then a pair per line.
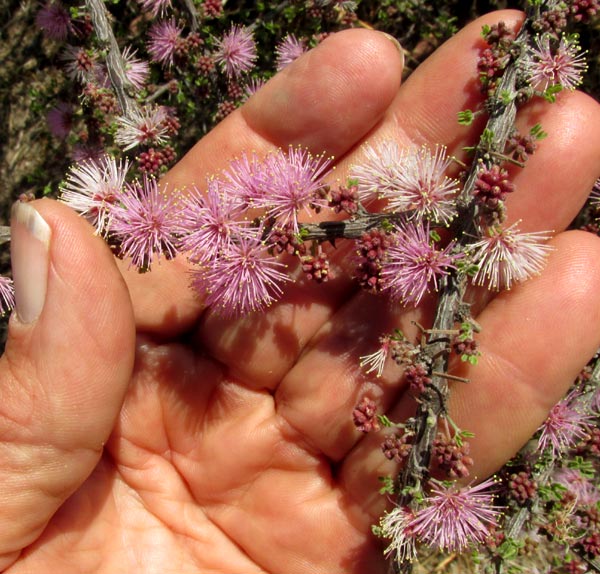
x,y
54,20
145,223
419,183
164,40
413,265
583,489
236,51
288,50
507,256
295,179
246,180
396,526
454,518
136,70
82,153
552,65
252,86
155,7
144,127
243,279
7,295
92,188
565,425
376,361
208,223
376,174
60,120
80,64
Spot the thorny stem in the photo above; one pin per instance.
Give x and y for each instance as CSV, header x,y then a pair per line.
x,y
115,64
501,122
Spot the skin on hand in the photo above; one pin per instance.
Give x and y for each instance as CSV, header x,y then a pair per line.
x,y
233,450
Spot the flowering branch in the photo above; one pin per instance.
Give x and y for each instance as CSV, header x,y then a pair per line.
x,y
501,106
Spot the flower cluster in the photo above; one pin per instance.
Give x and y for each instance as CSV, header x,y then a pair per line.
x,y
555,63
450,518
235,269
483,252
413,179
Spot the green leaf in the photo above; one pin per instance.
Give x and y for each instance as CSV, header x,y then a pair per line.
x,y
551,492
585,467
303,233
487,137
387,485
551,92
506,97
398,335
386,225
466,267
509,549
537,132
459,437
385,421
465,118
434,235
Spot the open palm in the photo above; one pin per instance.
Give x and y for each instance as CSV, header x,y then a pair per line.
x,y
227,446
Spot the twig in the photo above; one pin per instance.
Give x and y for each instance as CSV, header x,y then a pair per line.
x,y
4,234
115,63
502,114
191,8
352,228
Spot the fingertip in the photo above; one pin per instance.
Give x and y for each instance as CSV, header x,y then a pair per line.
x,y
547,197
316,95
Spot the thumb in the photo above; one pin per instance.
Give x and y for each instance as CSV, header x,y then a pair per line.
x,y
68,359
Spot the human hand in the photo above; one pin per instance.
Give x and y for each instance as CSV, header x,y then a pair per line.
x,y
228,445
